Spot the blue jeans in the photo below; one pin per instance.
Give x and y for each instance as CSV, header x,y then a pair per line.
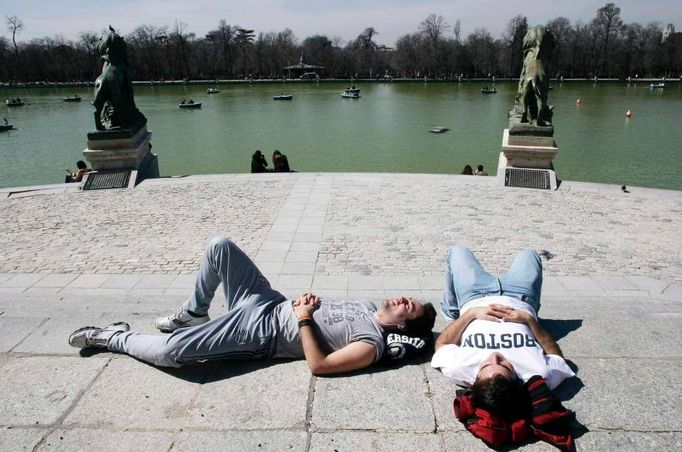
x,y
466,280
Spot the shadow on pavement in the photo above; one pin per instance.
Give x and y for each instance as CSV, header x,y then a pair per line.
x,y
560,328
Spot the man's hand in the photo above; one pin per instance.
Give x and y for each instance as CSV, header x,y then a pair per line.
x,y
507,314
305,305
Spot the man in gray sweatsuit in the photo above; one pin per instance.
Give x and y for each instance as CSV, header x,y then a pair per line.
x,y
333,336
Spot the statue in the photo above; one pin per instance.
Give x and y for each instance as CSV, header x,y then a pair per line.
x,y
114,103
531,98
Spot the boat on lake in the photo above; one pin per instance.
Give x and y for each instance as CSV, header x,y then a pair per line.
x,y
489,90
6,126
74,98
16,102
351,93
439,129
659,85
190,104
212,91
283,97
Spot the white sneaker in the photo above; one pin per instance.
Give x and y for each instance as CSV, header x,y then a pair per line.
x,y
91,336
181,319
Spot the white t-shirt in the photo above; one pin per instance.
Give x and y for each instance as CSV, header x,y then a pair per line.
x,y
514,341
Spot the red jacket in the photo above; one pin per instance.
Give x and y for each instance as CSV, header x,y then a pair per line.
x,y
549,421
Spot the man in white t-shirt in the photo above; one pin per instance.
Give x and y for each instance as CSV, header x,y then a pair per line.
x,y
495,343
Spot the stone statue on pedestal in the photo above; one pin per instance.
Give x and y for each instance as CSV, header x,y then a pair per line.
x,y
121,141
531,106
114,102
528,145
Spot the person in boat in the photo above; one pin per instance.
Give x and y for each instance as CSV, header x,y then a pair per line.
x,y
6,121
495,343
480,172
261,323
182,102
280,162
468,170
78,175
191,101
258,163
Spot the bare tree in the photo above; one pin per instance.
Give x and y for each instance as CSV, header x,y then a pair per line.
x,y
433,27
15,25
457,31
513,36
608,19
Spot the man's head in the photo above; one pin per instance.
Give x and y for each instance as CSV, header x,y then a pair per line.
x,y
81,164
479,168
498,390
407,315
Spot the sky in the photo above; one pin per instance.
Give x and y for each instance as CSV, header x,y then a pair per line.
x,y
344,19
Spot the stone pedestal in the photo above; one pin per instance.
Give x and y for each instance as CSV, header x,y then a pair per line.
x,y
527,151
120,149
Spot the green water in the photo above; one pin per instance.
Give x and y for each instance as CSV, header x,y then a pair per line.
x,y
386,130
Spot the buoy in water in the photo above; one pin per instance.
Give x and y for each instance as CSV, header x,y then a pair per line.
x,y
628,114
578,101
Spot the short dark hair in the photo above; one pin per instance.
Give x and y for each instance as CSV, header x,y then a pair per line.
x,y
479,167
422,325
505,398
81,164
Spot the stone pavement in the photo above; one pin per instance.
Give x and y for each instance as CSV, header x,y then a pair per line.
x,y
612,296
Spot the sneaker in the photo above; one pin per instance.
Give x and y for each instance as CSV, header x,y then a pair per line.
x,y
91,336
181,319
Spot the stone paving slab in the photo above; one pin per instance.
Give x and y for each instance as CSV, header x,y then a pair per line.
x,y
20,439
239,396
628,394
358,405
370,442
92,439
40,390
237,441
134,398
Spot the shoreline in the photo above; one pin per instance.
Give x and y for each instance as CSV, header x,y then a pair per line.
x,y
310,81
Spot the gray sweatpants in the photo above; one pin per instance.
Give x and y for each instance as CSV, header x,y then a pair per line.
x,y
245,331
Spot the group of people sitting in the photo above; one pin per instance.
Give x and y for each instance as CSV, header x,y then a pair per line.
x,y
280,163
479,171
494,346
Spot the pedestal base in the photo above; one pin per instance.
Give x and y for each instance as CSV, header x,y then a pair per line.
x,y
526,161
529,151
124,153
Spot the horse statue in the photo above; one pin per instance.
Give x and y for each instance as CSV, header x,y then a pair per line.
x,y
531,98
114,102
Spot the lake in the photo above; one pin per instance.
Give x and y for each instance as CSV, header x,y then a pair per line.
x,y
386,130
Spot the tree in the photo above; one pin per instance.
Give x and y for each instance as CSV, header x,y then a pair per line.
x,y
608,19
433,27
513,36
561,29
15,25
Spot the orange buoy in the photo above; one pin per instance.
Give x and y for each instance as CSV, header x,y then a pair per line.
x,y
628,114
578,101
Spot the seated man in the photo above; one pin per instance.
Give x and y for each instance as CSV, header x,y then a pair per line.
x,y
260,323
495,343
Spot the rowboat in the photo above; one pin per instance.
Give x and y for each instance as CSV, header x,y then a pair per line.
x,y
212,91
4,127
438,129
489,90
283,97
16,102
74,98
190,105
350,93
